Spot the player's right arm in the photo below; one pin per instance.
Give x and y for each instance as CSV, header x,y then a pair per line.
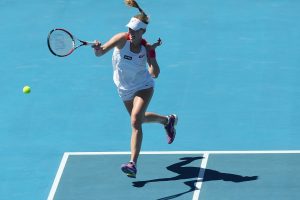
x,y
117,40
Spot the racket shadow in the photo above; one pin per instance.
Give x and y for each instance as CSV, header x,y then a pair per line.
x,y
186,173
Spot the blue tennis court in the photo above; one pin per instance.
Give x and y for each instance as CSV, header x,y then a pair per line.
x,y
180,175
229,70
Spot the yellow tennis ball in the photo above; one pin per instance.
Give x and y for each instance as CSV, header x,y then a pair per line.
x,y
26,89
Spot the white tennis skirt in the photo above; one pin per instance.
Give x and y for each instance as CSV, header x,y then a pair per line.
x,y
127,95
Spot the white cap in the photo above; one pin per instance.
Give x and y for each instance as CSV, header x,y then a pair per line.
x,y
136,24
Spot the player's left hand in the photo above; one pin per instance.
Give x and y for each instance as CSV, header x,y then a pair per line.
x,y
156,44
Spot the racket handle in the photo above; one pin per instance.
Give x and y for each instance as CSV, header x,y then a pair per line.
x,y
90,42
87,42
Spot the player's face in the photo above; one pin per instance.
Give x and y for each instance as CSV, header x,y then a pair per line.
x,y
136,36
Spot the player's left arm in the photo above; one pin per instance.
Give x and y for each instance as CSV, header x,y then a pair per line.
x,y
153,69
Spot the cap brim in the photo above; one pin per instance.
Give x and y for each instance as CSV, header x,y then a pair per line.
x,y
136,24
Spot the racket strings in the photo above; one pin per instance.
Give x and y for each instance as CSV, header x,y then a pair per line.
x,y
61,43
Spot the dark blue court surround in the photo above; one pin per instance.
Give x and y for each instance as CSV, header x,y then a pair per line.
x,y
179,175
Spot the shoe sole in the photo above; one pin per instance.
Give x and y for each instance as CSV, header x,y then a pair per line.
x,y
129,173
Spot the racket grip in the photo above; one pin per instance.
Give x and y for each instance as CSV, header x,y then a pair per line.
x,y
88,42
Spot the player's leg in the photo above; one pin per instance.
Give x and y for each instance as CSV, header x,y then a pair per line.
x,y
136,108
140,104
149,117
169,121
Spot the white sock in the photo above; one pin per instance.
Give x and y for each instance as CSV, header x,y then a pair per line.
x,y
168,119
132,162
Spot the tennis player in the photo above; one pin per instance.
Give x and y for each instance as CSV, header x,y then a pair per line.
x,y
134,80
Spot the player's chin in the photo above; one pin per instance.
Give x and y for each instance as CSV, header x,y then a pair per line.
x,y
135,41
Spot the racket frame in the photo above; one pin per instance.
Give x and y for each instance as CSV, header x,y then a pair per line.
x,y
83,43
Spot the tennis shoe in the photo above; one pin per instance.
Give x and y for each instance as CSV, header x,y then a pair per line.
x,y
129,169
170,128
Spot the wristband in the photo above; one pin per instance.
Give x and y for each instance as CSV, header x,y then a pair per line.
x,y
152,53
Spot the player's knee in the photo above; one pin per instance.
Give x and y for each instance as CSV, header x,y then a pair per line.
x,y
136,122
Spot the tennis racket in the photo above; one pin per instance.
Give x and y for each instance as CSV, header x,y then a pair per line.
x,y
62,43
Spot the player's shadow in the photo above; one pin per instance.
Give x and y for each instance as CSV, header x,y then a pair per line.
x,y
186,172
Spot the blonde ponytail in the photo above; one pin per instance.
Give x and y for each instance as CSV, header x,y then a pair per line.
x,y
142,16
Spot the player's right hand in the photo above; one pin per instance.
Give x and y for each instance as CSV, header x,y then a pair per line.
x,y
96,45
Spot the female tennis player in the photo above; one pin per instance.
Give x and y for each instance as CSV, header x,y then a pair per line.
x,y
134,80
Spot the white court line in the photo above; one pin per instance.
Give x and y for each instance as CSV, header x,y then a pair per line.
x,y
58,176
201,172
189,152
200,178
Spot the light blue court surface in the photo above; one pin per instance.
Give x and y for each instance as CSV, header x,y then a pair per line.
x,y
229,70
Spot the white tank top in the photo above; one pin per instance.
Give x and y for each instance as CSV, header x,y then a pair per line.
x,y
129,69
